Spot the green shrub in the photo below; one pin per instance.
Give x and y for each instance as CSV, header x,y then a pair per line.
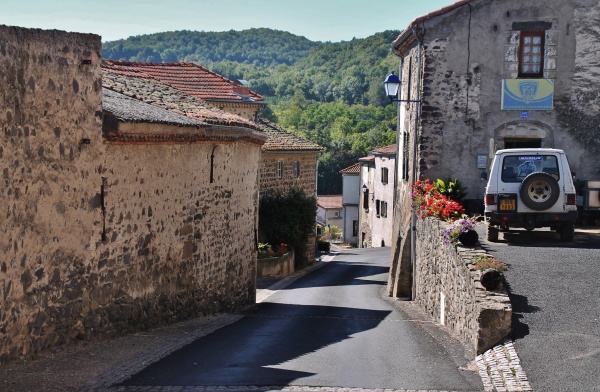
x,y
288,217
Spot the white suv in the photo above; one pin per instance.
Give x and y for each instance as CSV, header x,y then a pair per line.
x,y
530,188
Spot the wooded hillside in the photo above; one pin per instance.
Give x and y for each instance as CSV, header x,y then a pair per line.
x,y
331,93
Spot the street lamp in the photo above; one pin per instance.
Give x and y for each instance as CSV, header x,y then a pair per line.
x,y
392,86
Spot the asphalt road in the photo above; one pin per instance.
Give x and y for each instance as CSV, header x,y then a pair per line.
x,y
555,296
330,328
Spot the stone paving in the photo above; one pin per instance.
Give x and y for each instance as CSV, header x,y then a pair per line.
x,y
500,369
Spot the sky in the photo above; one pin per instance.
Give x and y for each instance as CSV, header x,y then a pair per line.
x,y
317,20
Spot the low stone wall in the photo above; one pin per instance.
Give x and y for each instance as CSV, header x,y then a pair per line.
x,y
275,266
452,294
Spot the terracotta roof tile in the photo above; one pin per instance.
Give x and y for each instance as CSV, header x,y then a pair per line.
x,y
330,201
282,140
354,169
190,78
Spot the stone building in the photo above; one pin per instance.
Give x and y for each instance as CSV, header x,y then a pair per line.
x,y
118,213
350,202
492,75
286,159
377,179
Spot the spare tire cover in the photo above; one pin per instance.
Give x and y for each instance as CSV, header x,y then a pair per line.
x,y
539,191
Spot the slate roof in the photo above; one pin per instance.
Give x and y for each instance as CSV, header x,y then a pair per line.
x,y
354,169
329,201
282,140
162,95
190,78
128,109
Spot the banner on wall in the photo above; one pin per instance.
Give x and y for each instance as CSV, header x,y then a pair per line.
x,y
527,94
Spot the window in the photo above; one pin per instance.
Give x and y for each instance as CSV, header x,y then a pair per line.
x,y
384,209
354,228
377,207
296,167
516,167
531,54
384,175
336,214
366,199
280,169
405,157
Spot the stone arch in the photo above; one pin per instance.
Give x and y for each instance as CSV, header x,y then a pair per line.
x,y
524,130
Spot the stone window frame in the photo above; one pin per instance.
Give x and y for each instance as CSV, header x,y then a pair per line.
x,y
383,209
279,172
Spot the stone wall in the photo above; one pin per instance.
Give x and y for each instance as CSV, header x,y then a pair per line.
x,y
307,179
50,150
275,266
101,239
452,294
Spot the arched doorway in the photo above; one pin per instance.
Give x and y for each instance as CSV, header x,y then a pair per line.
x,y
523,134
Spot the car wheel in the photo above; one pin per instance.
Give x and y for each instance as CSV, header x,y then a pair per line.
x,y
492,233
539,191
567,232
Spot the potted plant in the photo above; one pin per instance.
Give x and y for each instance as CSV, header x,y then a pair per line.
x,y
491,269
463,231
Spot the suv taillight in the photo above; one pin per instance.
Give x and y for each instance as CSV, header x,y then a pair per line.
x,y
490,199
571,199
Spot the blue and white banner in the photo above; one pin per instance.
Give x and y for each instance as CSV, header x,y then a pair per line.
x,y
527,94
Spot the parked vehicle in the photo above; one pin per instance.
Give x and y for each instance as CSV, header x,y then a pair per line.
x,y
530,188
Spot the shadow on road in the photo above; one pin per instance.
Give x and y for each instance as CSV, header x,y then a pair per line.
x,y
583,239
249,351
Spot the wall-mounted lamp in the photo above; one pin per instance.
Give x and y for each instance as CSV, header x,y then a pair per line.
x,y
365,189
392,87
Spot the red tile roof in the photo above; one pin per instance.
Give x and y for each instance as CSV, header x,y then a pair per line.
x,y
190,78
330,201
354,169
387,150
282,140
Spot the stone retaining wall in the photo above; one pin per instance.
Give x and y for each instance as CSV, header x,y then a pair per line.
x,y
275,266
452,294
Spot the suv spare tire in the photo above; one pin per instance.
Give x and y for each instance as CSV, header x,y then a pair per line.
x,y
539,191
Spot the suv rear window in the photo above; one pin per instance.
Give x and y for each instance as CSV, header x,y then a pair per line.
x,y
516,167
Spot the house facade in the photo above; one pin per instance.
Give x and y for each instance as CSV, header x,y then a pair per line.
x,y
377,180
330,211
478,76
119,213
350,203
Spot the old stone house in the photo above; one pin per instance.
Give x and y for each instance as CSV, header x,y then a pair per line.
x,y
377,179
286,159
123,207
488,75
350,202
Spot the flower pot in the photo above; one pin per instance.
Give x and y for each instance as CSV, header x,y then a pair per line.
x,y
468,238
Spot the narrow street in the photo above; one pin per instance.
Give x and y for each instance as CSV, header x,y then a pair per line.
x,y
329,328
